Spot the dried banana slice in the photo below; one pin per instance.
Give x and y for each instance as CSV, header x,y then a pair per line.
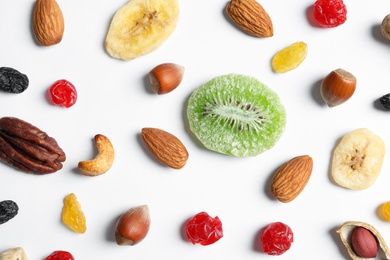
x,y
345,232
357,159
140,27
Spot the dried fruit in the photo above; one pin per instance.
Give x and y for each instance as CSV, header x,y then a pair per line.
x,y
366,244
28,148
385,101
236,115
363,242
337,87
16,253
203,229
330,13
357,159
132,226
276,238
251,17
63,93
139,28
291,178
60,255
48,22
385,27
385,211
166,77
103,160
12,81
166,147
8,210
289,58
73,215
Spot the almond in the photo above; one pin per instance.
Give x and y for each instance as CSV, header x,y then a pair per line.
x,y
291,178
48,22
251,17
166,147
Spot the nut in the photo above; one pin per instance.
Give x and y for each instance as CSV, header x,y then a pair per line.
x,y
337,87
385,27
291,178
251,17
133,226
166,77
364,242
103,160
16,253
48,22
346,234
166,147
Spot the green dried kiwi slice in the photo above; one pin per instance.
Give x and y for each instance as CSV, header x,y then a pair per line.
x,y
236,115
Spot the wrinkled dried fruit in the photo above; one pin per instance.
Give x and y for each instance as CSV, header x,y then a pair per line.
x,y
385,101
12,81
277,238
73,215
8,210
330,13
203,229
60,255
63,93
385,210
289,57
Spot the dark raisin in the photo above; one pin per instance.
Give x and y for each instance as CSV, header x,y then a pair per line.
x,y
12,81
8,210
385,101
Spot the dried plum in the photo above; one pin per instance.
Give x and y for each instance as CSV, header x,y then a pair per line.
x,y
8,210
385,101
12,81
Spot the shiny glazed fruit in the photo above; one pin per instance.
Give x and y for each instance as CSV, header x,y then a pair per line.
x,y
277,238
386,211
72,214
60,255
203,229
330,13
63,93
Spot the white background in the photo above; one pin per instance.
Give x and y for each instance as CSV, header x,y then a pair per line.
x,y
115,99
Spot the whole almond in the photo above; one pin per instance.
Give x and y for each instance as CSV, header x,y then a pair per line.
x,y
48,22
166,147
291,178
251,17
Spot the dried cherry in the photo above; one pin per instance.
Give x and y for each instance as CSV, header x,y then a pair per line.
x,y
63,93
330,13
8,210
60,255
203,229
276,238
12,81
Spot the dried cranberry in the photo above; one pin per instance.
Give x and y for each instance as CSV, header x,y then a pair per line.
x,y
60,255
330,13
203,229
63,93
277,238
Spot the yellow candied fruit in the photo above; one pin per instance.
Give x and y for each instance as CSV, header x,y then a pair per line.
x,y
73,215
385,210
289,58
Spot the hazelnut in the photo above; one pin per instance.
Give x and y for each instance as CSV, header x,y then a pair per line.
x,y
385,27
337,87
166,77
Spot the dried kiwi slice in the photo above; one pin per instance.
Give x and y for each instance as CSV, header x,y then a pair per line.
x,y
236,115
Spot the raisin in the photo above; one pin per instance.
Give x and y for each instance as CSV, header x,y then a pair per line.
x,y
385,101
60,255
63,93
12,81
277,238
8,210
330,13
203,229
73,215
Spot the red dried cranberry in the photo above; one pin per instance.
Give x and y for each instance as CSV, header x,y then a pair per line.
x,y
63,93
330,13
277,238
60,255
203,229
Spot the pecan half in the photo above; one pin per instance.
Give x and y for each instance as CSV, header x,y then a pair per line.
x,y
28,148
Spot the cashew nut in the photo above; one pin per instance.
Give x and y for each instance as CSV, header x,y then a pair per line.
x,y
103,160
13,253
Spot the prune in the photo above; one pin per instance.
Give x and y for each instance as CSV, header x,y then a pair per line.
x,y
12,81
8,210
385,101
